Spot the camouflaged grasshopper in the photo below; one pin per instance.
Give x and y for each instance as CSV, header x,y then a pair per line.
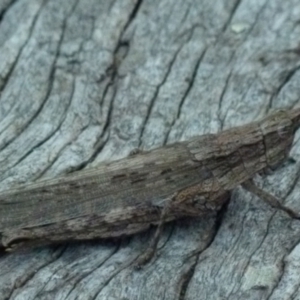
x,y
125,197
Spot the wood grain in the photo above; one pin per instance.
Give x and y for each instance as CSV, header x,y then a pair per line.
x,y
85,82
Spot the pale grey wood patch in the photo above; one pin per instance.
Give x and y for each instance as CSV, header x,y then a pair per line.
x,y
71,99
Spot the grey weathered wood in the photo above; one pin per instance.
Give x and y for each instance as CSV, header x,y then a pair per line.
x,y
88,81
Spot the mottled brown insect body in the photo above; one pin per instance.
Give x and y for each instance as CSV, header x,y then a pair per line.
x,y
124,197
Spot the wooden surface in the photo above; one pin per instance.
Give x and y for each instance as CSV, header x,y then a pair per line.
x,y
84,82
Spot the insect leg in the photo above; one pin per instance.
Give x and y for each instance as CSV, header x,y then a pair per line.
x,y
268,198
151,250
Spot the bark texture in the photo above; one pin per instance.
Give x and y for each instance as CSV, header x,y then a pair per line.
x,y
84,82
